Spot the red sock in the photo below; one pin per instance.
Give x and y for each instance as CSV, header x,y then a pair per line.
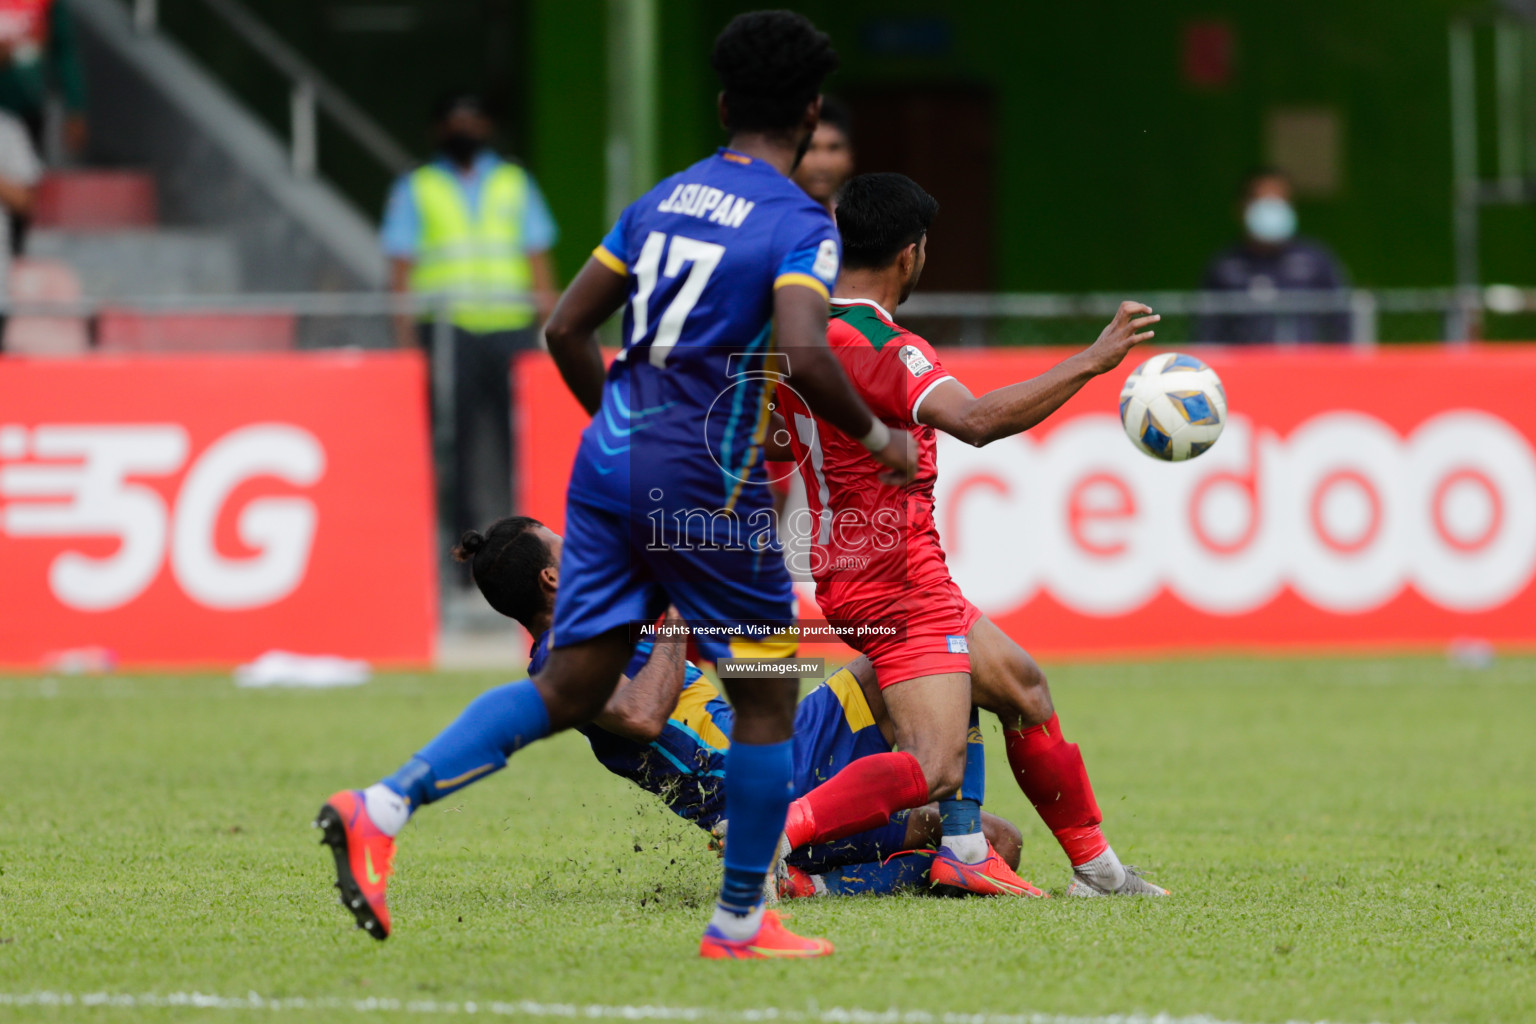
x,y
862,796
1050,771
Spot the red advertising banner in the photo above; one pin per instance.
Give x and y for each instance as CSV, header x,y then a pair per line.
x,y
201,510
1383,499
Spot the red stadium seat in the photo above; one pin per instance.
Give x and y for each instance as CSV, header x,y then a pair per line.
x,y
95,200
45,281
125,330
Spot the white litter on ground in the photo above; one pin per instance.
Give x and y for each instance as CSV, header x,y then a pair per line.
x,y
313,671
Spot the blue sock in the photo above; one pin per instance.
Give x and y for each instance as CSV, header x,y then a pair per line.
x,y
961,815
876,878
759,781
974,785
494,726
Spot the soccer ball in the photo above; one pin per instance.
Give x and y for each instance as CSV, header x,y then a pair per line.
x,y
1173,407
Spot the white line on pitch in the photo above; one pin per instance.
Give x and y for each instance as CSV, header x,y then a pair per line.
x,y
525,1008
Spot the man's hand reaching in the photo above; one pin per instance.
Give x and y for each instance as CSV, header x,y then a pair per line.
x,y
1123,333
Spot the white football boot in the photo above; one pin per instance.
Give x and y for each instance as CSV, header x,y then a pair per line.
x,y
1106,876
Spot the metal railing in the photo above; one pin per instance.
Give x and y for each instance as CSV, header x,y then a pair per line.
x,y
1414,314
1449,310
309,91
373,319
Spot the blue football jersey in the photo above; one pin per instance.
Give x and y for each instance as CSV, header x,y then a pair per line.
x,y
685,406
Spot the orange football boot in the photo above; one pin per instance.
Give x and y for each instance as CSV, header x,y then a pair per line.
x,y
990,877
365,857
772,942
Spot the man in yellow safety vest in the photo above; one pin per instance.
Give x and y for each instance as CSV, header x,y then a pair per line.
x,y
472,228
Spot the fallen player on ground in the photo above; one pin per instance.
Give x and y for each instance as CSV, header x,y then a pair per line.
x,y
666,729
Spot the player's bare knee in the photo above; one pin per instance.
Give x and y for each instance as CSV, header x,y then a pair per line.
x,y
569,710
1022,709
1025,702
1037,707
570,702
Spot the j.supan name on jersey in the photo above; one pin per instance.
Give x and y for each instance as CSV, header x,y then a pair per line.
x,y
702,201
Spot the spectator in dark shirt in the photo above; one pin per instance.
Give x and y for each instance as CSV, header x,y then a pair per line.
x,y
1268,261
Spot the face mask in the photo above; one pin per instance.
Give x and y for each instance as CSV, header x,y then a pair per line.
x,y
1270,220
461,148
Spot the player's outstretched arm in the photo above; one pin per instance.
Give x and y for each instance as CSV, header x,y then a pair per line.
x,y
640,707
952,408
800,318
571,333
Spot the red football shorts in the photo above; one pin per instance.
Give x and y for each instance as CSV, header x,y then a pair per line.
x,y
914,630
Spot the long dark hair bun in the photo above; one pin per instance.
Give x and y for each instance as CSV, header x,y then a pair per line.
x,y
505,562
472,541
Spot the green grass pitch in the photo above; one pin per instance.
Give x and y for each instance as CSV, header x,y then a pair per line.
x,y
1350,840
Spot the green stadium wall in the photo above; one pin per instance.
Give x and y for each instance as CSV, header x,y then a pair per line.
x,y
1113,170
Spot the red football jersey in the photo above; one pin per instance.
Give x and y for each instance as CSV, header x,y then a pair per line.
x,y
863,530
